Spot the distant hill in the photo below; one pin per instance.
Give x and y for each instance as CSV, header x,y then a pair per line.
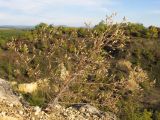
x,y
15,27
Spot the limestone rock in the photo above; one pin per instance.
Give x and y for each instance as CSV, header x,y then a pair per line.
x,y
84,112
90,109
7,94
11,110
27,87
9,118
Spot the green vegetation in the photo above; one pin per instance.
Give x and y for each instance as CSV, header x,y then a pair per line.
x,y
113,66
134,30
8,34
36,98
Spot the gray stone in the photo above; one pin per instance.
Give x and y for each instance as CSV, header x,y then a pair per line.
x,y
90,109
6,93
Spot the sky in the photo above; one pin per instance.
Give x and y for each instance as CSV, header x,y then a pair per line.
x,y
77,12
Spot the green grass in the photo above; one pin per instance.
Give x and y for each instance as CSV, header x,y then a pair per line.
x,y
36,99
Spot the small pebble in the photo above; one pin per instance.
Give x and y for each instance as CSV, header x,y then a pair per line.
x,y
21,112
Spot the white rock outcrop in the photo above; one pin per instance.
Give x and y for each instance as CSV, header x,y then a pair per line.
x,y
12,109
6,93
27,87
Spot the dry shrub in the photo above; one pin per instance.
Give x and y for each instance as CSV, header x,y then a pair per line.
x,y
137,76
64,59
124,65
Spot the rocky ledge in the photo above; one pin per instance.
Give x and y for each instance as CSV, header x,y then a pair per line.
x,y
11,108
